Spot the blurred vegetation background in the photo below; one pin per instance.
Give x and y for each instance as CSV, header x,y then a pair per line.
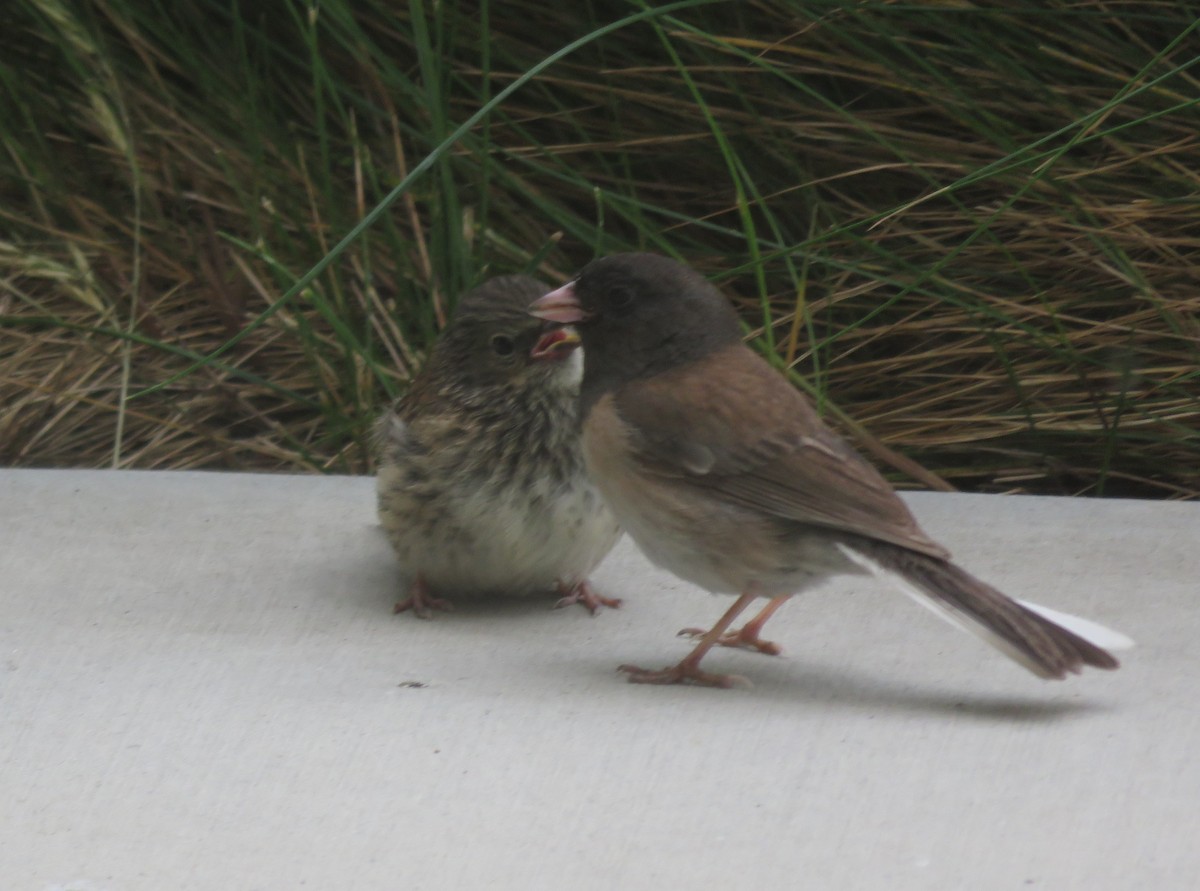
x,y
972,227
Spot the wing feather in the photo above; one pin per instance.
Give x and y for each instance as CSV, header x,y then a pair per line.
x,y
731,424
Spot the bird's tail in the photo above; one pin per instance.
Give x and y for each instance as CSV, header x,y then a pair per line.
x,y
1049,643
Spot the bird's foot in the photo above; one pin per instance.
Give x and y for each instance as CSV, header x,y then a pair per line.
x,y
688,670
683,673
421,602
586,596
746,638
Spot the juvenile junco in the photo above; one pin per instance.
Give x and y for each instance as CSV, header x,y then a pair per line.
x,y
481,482
724,474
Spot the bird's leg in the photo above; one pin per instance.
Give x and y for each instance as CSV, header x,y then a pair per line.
x,y
585,595
420,601
747,636
689,669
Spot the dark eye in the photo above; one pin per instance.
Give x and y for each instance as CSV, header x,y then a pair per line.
x,y
620,297
502,344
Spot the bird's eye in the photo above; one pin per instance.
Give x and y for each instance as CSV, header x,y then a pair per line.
x,y
502,345
620,297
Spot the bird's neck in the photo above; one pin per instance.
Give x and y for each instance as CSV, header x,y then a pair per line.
x,y
608,365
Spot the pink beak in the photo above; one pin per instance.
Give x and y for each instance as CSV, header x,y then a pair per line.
x,y
559,306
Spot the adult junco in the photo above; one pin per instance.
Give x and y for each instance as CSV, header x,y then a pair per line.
x,y
724,474
481,482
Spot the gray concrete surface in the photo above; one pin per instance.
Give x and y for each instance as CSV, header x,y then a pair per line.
x,y
202,686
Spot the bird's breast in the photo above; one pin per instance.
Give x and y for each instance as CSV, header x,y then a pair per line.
x,y
661,518
682,526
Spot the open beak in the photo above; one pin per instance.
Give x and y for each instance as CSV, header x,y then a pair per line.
x,y
559,306
556,343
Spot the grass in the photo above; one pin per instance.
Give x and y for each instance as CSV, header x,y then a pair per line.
x,y
229,232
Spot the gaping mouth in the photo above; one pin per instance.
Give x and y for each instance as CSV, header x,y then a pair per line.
x,y
556,343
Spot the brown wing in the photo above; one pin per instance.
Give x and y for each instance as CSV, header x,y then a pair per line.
x,y
733,425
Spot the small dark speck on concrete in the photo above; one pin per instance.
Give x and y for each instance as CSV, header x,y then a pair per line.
x,y
416,685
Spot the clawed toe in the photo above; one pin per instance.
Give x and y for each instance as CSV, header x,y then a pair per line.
x,y
740,639
586,596
423,607
421,603
682,673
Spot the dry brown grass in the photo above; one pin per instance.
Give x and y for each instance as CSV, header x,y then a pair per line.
x,y
1015,314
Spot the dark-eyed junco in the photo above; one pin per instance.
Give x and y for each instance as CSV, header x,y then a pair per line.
x,y
481,482
724,474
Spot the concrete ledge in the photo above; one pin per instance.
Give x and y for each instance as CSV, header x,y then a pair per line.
x,y
202,687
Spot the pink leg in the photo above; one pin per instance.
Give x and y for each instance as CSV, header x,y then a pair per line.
x,y
689,668
421,602
748,635
585,595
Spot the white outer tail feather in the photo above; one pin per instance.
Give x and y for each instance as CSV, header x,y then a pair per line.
x,y
1093,632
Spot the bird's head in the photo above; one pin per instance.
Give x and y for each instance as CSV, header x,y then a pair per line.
x,y
638,314
492,340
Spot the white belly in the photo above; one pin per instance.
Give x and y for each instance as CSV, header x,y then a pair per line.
x,y
513,540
